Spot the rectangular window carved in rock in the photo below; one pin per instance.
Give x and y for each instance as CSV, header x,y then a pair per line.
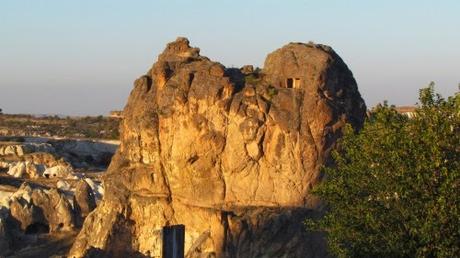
x,y
289,83
296,83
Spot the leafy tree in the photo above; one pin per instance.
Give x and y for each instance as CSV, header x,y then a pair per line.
x,y
394,190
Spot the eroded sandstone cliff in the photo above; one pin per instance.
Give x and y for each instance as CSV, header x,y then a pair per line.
x,y
230,154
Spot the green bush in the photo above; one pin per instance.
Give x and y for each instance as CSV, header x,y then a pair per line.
x,y
394,190
271,91
252,79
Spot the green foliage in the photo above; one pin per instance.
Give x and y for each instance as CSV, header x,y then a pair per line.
x,y
271,91
252,79
395,188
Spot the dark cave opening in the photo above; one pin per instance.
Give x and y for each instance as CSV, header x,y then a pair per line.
x,y
37,228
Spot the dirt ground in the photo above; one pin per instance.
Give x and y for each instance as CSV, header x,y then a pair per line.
x,y
44,245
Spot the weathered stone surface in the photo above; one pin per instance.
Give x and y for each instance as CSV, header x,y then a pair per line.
x,y
85,153
33,165
28,160
98,189
233,162
46,159
24,169
247,69
59,171
84,200
20,149
41,207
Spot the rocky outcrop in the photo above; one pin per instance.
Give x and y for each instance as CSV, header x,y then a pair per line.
x,y
37,209
24,148
58,171
30,169
78,153
85,153
24,169
44,158
231,154
33,160
26,159
84,200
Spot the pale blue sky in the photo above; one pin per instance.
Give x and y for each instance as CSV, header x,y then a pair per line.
x,y
81,57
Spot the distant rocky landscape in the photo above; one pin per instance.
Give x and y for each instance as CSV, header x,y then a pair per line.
x,y
95,127
47,187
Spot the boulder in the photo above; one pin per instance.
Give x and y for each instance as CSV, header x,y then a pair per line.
x,y
57,210
97,188
247,69
23,210
4,164
59,171
45,159
25,169
16,150
63,185
84,200
41,210
17,169
233,162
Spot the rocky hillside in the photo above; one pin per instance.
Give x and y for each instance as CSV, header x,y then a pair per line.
x,y
47,188
231,154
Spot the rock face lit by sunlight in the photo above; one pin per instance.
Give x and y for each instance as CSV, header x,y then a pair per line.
x,y
230,153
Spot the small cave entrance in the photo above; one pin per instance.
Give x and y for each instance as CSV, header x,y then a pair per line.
x,y
293,83
37,228
191,77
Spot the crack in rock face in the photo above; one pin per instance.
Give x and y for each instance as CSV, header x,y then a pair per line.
x,y
231,154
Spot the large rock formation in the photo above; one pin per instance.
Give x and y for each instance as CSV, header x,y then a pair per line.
x,y
230,155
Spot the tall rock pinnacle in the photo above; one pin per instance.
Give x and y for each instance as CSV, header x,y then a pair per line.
x,y
230,155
